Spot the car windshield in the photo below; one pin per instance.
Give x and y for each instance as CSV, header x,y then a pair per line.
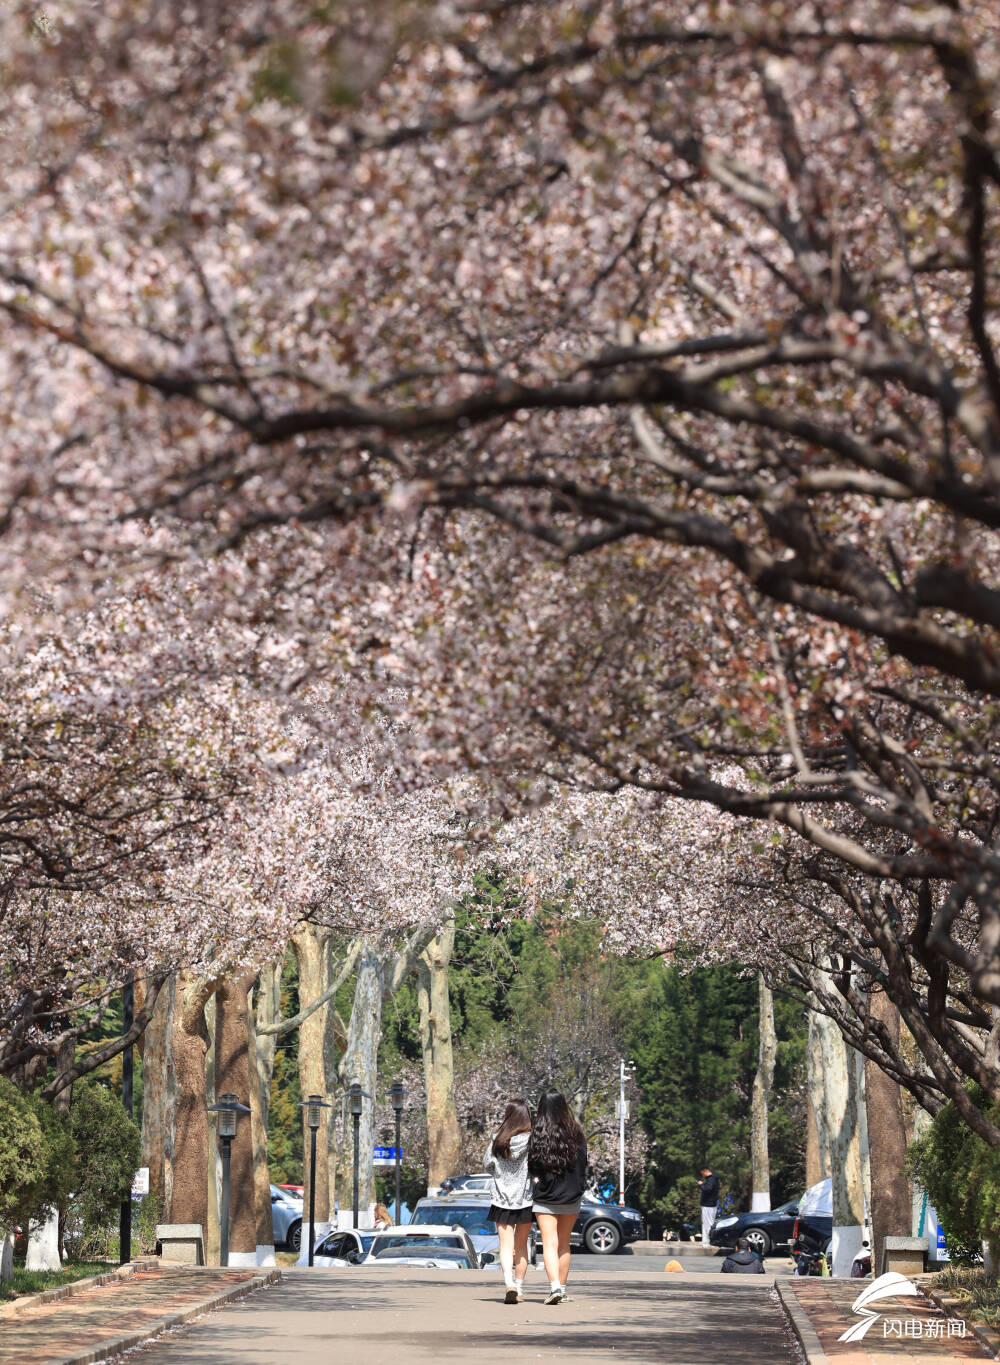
x,y
385,1244
472,1219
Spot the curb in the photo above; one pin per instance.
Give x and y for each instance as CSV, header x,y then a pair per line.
x,y
115,1346
988,1337
65,1291
801,1326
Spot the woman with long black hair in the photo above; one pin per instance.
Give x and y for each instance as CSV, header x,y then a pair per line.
x,y
507,1161
557,1161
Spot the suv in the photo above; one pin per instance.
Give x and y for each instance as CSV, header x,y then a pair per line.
x,y
286,1214
601,1228
460,1210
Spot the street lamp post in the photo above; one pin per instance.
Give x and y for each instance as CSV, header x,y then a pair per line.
x,y
356,1096
625,1069
125,1221
229,1110
312,1106
397,1093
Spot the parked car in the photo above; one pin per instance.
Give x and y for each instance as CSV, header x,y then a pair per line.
x,y
436,1245
296,1191
286,1214
480,1183
348,1247
764,1229
813,1227
460,1210
601,1228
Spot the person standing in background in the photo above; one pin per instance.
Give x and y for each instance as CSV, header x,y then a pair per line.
x,y
709,1202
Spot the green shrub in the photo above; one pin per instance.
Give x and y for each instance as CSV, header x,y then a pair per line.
x,y
37,1157
681,1205
961,1174
108,1146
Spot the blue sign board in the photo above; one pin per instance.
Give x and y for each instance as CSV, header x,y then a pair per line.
x,y
386,1156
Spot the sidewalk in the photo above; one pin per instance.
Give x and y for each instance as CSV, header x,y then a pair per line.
x,y
911,1329
105,1319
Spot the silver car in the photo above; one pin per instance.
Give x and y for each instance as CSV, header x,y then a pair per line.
x,y
286,1214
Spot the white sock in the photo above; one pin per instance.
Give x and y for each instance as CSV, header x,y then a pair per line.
x,y
508,1279
519,1285
554,1285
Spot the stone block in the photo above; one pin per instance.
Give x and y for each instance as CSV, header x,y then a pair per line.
x,y
183,1242
907,1255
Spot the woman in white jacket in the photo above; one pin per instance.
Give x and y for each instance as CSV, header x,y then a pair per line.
x,y
507,1161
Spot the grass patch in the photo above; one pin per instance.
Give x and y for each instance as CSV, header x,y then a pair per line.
x,y
978,1292
34,1281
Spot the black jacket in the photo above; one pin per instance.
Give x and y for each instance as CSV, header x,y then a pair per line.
x,y
560,1187
742,1263
710,1192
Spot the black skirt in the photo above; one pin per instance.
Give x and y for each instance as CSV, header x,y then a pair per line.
x,y
511,1217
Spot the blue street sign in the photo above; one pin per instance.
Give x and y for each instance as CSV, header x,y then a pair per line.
x,y
385,1156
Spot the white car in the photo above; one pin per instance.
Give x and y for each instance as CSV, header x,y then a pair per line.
x,y
438,1246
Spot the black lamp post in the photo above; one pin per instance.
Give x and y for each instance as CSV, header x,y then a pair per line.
x,y
397,1093
356,1095
229,1110
312,1106
125,1220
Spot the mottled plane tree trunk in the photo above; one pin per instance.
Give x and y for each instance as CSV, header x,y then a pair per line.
x,y
444,1140
839,1073
311,946
763,1081
262,1049
232,1075
892,1196
189,1046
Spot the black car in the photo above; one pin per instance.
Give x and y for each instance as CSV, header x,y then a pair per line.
x,y
601,1228
764,1229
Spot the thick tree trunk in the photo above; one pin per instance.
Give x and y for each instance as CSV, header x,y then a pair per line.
x,y
232,1075
818,1129
311,950
159,1096
262,1051
763,1080
43,1244
360,1063
443,1137
213,1158
189,1189
43,1238
841,1104
892,1197
7,1257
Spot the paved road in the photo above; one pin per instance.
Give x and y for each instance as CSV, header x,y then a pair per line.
x,y
777,1267
365,1315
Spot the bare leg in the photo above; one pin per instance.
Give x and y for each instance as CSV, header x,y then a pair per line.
x,y
521,1234
548,1226
506,1234
565,1223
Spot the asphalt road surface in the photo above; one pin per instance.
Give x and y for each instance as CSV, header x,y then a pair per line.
x,y
618,1311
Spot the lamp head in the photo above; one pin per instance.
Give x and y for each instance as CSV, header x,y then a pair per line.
x,y
397,1093
312,1106
229,1110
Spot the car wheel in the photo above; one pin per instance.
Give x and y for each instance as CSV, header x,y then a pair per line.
x,y
294,1239
602,1238
757,1240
